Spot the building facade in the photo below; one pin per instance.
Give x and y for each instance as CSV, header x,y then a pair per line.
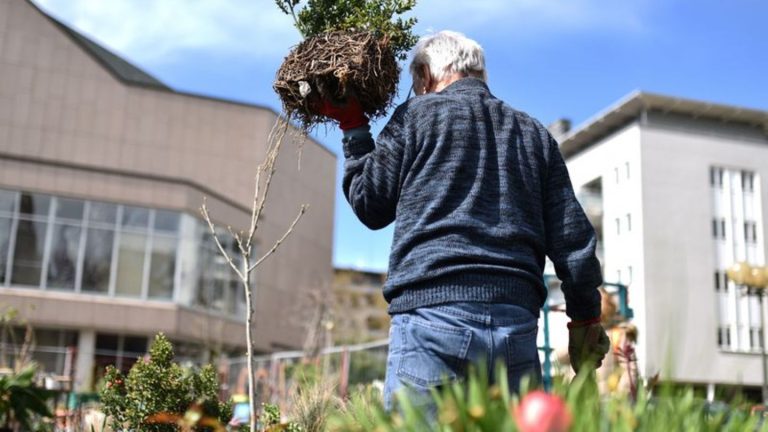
x,y
677,192
359,308
103,170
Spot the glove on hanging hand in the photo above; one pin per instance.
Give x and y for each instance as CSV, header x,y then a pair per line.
x,y
587,344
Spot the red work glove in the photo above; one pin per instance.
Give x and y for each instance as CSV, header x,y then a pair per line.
x,y
587,343
350,115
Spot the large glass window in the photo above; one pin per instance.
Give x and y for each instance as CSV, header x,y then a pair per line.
x,y
163,257
130,264
98,260
218,287
7,208
120,351
132,252
65,244
28,253
96,247
7,202
162,267
99,243
51,348
5,239
31,233
34,205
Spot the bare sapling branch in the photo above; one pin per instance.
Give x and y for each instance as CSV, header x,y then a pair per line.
x,y
212,227
280,241
245,241
268,167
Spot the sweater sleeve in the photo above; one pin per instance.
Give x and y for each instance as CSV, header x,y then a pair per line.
x,y
372,174
570,240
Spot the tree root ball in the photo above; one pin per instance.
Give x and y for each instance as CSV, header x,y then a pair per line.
x,y
333,66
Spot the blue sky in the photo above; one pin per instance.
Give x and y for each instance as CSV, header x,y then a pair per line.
x,y
550,58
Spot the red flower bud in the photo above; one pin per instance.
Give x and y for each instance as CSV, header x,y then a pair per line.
x,y
542,412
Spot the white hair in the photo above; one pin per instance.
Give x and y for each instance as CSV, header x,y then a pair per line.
x,y
446,53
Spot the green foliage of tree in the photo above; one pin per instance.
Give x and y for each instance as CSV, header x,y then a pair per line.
x,y
381,17
157,385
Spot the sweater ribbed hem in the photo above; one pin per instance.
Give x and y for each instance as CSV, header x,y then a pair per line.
x,y
470,287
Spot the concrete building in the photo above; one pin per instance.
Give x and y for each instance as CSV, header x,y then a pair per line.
x,y
103,169
677,191
359,309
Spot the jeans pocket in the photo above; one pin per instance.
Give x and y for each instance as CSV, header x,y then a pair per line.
x,y
522,356
432,353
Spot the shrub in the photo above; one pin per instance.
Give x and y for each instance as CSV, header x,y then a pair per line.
x,y
156,385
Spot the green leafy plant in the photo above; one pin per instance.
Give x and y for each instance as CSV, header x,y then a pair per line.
x,y
158,394
476,406
271,420
22,403
382,17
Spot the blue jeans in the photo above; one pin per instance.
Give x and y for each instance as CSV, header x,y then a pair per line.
x,y
431,344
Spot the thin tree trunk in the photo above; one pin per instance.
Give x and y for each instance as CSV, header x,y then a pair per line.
x,y
249,340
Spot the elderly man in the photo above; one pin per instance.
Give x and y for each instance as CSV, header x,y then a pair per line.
x,y
479,194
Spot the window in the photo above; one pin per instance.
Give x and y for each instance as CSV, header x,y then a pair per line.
x,y
626,168
118,350
132,251
716,177
130,264
7,202
747,181
629,222
618,276
162,267
723,337
28,253
81,246
739,314
718,228
616,174
629,275
51,348
65,244
217,285
99,244
750,232
722,228
31,236
618,226
97,261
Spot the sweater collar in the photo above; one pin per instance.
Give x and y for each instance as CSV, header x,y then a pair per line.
x,y
466,84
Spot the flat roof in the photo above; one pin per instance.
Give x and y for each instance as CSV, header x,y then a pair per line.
x,y
630,107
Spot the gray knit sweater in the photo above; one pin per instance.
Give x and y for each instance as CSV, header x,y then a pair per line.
x,y
479,194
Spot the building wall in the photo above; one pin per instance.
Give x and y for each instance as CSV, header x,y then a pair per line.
x,y
681,308
616,160
70,128
359,309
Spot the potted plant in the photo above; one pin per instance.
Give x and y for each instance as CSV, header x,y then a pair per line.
x,y
350,47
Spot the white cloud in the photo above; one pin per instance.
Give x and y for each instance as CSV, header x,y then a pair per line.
x,y
159,31
156,31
